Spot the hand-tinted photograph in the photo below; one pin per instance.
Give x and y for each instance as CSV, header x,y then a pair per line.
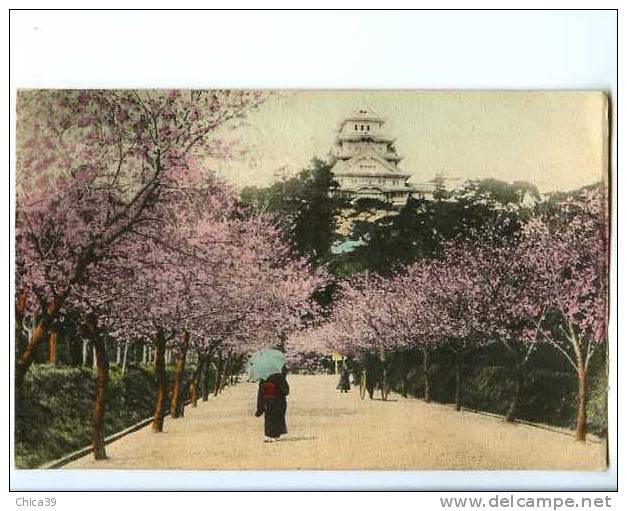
x,y
314,279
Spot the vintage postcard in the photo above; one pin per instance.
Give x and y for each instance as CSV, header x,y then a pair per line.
x,y
330,280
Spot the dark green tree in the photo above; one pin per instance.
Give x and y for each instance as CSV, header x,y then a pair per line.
x,y
421,226
307,206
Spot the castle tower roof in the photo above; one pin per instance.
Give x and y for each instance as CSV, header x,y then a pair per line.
x,y
362,115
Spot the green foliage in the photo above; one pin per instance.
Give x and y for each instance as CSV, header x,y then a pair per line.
x,y
309,207
501,192
422,226
306,206
53,409
548,394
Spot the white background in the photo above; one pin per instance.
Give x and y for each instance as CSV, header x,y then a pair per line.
x,y
512,50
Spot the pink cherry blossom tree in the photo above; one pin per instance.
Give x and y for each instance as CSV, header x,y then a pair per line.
x,y
416,316
503,287
91,166
547,284
567,247
364,317
216,282
457,304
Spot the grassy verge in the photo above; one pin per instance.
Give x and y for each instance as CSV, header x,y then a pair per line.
x,y
53,409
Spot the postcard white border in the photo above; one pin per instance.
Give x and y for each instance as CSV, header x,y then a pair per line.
x,y
446,50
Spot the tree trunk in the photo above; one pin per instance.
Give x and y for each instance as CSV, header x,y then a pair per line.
x,y
76,348
118,354
510,416
144,354
25,360
85,351
403,375
52,347
125,357
205,380
102,364
162,382
581,408
20,314
200,367
235,368
227,372
218,375
175,402
458,381
426,375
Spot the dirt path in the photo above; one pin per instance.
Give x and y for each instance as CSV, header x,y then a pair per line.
x,y
328,430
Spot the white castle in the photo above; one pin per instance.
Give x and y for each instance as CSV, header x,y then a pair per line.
x,y
367,162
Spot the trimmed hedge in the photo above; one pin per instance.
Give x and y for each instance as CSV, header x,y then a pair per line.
x,y
53,409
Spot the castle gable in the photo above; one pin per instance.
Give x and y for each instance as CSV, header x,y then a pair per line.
x,y
369,164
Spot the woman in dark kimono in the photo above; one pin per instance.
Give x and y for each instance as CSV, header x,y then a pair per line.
x,y
271,401
344,385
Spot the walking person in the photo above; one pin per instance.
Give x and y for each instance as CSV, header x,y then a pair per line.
x,y
344,385
373,374
272,403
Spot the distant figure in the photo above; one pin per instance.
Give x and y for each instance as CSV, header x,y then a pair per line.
x,y
373,374
344,384
271,401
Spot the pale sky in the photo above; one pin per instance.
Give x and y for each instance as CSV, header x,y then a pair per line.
x,y
555,140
